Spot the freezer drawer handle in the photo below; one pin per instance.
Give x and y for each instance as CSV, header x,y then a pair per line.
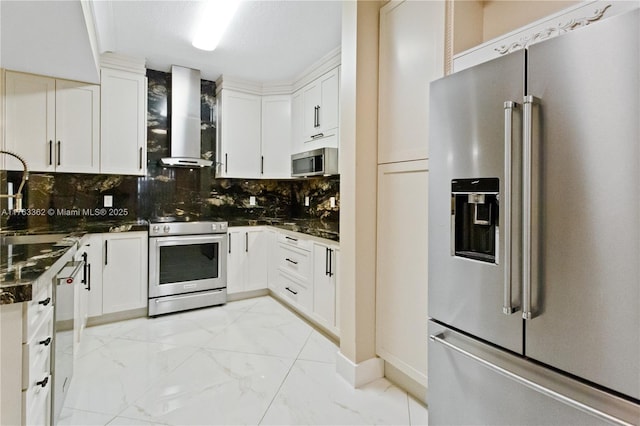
x,y
439,338
528,204
507,306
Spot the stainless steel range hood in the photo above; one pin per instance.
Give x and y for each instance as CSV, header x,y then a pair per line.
x,y
185,120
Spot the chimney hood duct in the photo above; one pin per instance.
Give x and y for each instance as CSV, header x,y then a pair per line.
x,y
185,120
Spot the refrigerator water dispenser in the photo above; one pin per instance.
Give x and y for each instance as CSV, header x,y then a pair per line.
x,y
474,218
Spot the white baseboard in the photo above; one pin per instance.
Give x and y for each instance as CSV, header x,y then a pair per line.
x,y
359,374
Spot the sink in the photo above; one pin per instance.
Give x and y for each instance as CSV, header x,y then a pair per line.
x,y
31,239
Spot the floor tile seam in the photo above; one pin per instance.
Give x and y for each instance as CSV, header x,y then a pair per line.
x,y
113,417
316,361
153,382
151,385
247,353
154,422
284,379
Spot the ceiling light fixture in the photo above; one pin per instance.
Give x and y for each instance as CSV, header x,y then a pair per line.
x,y
214,20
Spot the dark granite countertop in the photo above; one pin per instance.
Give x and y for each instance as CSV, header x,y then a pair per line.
x,y
314,227
22,264
82,226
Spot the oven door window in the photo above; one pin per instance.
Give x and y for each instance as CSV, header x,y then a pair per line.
x,y
189,262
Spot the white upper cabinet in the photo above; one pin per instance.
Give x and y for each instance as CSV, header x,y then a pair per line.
x,y
276,136
318,115
77,127
411,56
124,122
53,124
239,124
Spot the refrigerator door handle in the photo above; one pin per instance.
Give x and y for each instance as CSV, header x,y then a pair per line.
x,y
509,106
529,164
440,339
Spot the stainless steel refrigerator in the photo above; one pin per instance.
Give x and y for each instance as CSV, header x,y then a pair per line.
x,y
534,234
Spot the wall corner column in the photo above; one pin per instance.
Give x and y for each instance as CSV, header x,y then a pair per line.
x,y
357,361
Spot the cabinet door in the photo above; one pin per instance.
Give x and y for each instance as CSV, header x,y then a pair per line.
x,y
235,261
95,253
256,264
297,123
30,121
240,129
411,56
276,137
272,262
124,122
324,284
311,99
77,127
328,113
401,287
320,115
124,273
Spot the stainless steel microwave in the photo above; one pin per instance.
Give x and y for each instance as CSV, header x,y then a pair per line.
x,y
318,162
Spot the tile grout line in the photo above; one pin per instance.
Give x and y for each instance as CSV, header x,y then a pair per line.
x,y
197,349
285,378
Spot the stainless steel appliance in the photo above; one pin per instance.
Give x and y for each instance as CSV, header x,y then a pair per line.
x,y
64,284
318,162
534,234
185,120
187,265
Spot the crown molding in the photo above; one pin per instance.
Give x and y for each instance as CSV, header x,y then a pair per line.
x,y
325,64
123,62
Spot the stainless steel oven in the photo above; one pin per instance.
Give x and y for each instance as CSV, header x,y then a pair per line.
x,y
187,266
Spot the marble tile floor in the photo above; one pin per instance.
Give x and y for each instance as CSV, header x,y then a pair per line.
x,y
248,362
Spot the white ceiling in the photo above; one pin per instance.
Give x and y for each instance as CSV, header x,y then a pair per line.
x,y
267,41
47,37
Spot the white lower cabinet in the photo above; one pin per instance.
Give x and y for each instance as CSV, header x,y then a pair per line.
x,y
247,259
306,276
116,273
401,286
325,266
124,271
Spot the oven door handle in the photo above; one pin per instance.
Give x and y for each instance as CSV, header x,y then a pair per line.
x,y
188,239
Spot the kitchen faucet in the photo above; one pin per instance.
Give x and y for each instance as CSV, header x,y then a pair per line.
x,y
25,177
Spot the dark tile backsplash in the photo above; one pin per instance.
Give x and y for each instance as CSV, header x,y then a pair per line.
x,y
172,191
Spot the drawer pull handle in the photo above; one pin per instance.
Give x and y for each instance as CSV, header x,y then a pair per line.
x,y
319,135
45,302
292,239
294,292
45,341
43,382
291,261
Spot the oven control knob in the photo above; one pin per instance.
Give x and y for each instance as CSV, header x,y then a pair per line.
x,y
214,227
166,229
156,228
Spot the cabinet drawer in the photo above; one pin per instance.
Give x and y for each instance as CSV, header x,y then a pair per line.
x,y
295,291
294,241
294,261
36,403
36,354
36,312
